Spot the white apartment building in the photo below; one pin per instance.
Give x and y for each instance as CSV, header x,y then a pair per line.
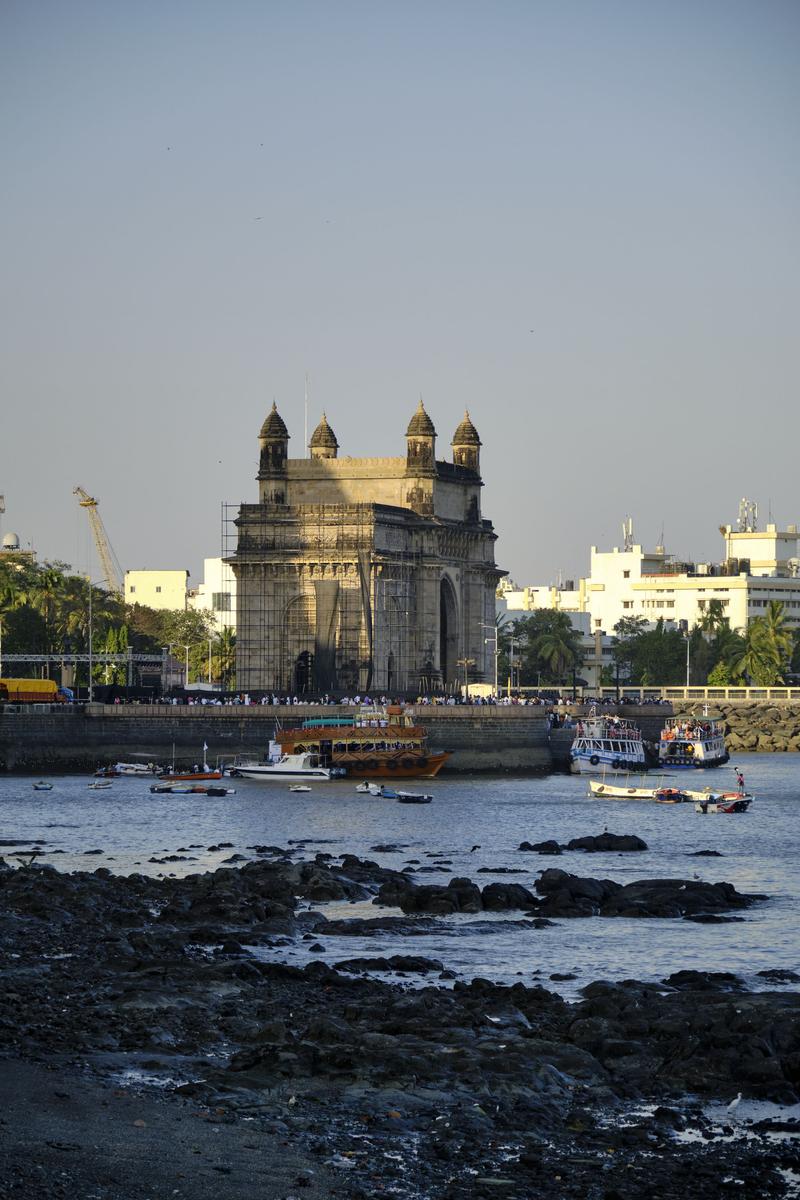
x,y
157,589
759,566
216,594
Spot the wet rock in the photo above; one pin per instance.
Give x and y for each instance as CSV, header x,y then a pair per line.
x,y
412,963
572,896
499,896
622,843
550,847
775,975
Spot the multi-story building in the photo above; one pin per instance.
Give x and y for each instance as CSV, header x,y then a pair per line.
x,y
157,589
628,581
216,594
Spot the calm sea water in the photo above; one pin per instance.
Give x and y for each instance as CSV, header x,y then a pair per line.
x,y
759,848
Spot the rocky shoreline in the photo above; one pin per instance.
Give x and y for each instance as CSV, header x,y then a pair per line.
x,y
423,1087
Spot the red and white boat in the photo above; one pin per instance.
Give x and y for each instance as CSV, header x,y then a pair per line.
x,y
721,802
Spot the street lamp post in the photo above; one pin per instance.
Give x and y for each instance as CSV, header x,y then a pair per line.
x,y
493,640
90,689
186,667
466,663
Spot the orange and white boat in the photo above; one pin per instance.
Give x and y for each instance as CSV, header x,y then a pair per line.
x,y
375,743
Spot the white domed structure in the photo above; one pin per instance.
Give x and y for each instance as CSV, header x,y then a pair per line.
x,y
11,541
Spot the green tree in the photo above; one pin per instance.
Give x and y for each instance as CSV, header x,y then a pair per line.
x,y
628,631
546,646
224,658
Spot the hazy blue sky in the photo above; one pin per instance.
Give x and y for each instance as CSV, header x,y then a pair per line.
x,y
580,220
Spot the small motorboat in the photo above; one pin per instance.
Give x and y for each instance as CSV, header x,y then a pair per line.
x,y
670,796
190,789
41,786
722,802
299,787
100,785
413,798
377,789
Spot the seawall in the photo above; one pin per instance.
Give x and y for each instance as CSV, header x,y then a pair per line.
x,y
482,738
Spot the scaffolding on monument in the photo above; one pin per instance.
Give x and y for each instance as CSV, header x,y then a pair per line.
x,y
368,623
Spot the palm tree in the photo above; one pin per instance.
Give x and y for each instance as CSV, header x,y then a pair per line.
x,y
713,619
225,655
777,632
728,648
48,588
558,646
760,661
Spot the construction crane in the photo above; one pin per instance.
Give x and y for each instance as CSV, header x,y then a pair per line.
x,y
112,571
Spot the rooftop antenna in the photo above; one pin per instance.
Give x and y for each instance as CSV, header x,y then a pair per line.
x,y
660,546
305,419
748,516
627,533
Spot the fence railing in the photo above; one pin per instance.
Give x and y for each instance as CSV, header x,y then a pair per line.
x,y
700,693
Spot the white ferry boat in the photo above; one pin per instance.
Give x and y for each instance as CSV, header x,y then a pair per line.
x,y
692,742
607,742
290,768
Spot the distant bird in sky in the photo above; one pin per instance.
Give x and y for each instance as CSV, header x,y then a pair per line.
x,y
258,218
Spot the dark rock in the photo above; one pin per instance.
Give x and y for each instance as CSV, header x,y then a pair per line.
x,y
550,847
397,962
621,842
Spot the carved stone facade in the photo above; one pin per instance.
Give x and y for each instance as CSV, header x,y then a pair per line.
x,y
363,575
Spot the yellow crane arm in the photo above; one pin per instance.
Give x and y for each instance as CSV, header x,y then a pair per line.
x,y
112,572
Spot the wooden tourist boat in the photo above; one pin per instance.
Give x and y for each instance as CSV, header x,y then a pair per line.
x,y
375,743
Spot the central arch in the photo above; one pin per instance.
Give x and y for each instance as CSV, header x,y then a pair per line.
x,y
448,632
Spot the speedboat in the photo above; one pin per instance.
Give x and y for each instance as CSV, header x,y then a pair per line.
x,y
299,787
369,789
100,785
289,767
123,768
721,802
41,786
413,798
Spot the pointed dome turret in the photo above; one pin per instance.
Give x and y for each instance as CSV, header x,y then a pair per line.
x,y
420,444
420,424
274,426
273,441
466,445
323,442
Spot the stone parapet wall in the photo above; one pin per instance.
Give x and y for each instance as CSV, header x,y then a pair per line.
x,y
481,738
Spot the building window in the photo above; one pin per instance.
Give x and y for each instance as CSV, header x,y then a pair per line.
x,y
132,588
626,574
627,604
221,601
158,587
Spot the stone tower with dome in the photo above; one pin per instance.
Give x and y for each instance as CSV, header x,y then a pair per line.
x,y
360,575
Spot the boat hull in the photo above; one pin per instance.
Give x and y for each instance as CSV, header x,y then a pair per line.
x,y
267,774
590,764
191,777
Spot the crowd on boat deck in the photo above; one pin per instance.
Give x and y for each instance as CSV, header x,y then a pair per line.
x,y
613,728
688,730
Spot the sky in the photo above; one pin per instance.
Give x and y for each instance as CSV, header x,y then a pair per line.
x,y
579,220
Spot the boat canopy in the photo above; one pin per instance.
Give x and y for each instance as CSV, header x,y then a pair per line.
x,y
328,722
